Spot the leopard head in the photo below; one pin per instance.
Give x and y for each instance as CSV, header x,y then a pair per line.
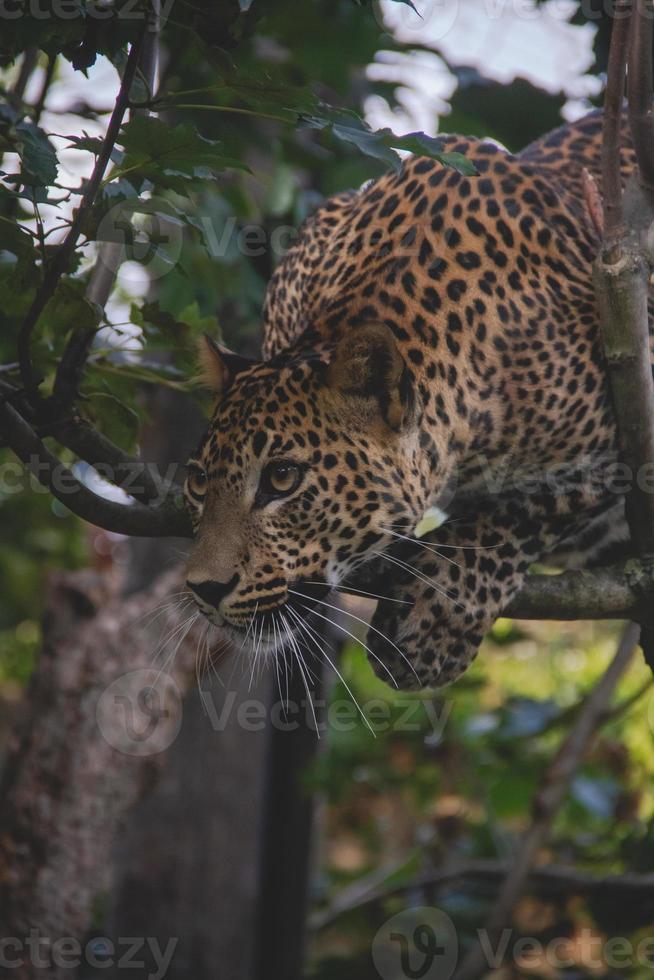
x,y
308,460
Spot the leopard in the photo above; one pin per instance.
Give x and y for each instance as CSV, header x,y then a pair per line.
x,y
431,358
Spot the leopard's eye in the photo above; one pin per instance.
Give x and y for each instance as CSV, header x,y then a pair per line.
x,y
196,479
279,479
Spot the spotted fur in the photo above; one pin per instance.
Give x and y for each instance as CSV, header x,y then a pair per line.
x,y
429,340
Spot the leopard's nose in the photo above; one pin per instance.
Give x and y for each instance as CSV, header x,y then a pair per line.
x,y
212,593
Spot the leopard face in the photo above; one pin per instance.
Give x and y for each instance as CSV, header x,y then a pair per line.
x,y
306,466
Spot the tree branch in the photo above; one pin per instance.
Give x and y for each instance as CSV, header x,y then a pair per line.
x,y
548,801
639,92
549,882
136,477
603,593
166,518
61,261
612,122
623,268
105,270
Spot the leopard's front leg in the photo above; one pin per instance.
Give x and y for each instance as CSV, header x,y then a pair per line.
x,y
444,592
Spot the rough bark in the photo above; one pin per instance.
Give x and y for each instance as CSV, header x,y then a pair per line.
x,y
66,787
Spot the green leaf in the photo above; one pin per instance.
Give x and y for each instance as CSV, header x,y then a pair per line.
x,y
199,324
156,151
363,139
13,237
93,144
69,309
114,418
18,280
152,318
382,143
179,329
37,154
429,146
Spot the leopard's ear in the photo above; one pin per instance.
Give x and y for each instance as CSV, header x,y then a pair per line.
x,y
219,366
368,365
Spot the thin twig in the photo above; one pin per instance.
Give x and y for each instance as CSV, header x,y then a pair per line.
x,y
110,254
548,801
48,76
61,261
27,66
639,92
548,881
611,180
593,201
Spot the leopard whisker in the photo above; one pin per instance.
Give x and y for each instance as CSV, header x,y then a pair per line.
x,y
255,655
301,665
198,668
449,547
276,662
306,628
186,628
374,629
211,658
352,636
423,544
250,625
310,673
420,577
170,638
347,590
170,602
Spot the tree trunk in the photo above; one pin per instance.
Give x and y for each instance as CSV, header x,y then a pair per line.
x,y
186,864
96,720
